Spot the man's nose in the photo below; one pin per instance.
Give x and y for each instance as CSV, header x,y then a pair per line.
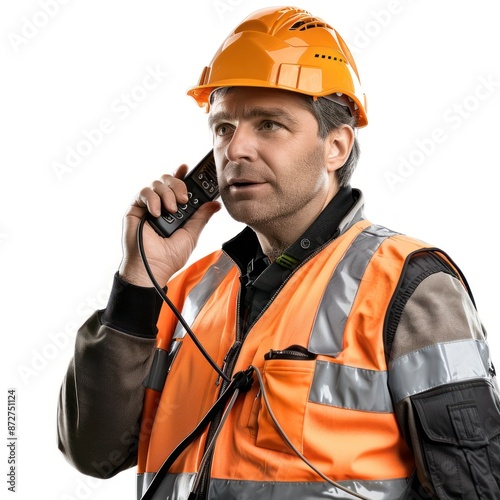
x,y
242,145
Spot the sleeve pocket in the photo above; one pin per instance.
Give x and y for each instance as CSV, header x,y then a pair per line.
x,y
459,434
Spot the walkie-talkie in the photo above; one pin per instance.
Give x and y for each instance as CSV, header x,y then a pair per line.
x,y
201,183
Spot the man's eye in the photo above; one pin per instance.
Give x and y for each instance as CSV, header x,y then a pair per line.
x,y
270,126
222,130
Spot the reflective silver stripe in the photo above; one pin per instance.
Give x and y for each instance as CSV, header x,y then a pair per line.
x,y
223,489
199,295
173,487
437,365
178,486
328,330
350,387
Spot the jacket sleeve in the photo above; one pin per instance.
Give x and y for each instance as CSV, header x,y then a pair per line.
x,y
443,385
101,396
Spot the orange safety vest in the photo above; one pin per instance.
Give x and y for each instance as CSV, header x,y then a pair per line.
x,y
336,409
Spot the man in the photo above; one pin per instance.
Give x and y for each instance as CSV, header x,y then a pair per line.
x,y
370,368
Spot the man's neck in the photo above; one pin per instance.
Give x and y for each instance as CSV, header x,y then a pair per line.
x,y
277,235
243,247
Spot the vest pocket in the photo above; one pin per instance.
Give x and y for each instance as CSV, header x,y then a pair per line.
x,y
287,383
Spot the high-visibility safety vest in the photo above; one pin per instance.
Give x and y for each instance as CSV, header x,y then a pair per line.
x,y
337,409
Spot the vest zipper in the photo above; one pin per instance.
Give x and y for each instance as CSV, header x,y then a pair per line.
x,y
293,352
307,259
200,492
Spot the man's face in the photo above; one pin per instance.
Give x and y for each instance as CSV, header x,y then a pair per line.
x,y
271,164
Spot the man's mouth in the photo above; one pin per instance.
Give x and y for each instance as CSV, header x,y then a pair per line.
x,y
242,182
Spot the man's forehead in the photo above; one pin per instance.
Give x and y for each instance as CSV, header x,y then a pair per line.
x,y
254,100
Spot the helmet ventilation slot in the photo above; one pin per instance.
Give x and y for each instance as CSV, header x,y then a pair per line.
x,y
324,56
309,23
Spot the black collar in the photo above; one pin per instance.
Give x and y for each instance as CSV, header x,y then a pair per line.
x,y
247,253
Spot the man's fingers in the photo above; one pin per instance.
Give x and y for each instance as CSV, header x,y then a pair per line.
x,y
181,172
172,192
147,198
166,192
200,218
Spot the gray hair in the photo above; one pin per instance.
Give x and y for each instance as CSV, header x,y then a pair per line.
x,y
330,116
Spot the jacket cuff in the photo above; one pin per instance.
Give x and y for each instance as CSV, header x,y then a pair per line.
x,y
132,309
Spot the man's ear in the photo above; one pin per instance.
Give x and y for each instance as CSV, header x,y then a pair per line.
x,y
338,145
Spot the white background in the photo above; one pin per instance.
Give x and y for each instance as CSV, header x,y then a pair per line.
x,y
431,74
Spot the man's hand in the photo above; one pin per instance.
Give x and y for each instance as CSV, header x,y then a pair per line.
x,y
165,256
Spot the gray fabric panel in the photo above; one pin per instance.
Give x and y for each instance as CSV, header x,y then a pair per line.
x,y
439,310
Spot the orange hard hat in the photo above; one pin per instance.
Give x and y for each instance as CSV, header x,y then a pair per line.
x,y
285,48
